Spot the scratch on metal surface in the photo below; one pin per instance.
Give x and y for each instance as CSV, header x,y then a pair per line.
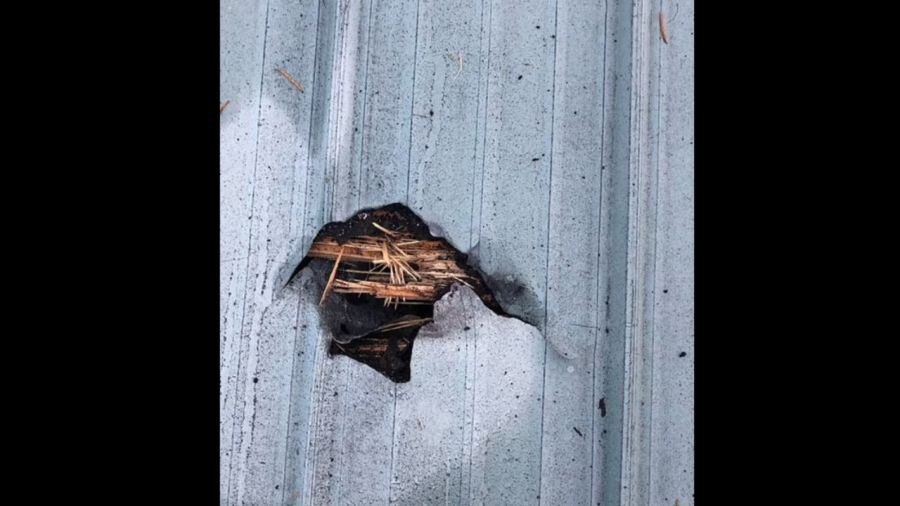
x,y
459,62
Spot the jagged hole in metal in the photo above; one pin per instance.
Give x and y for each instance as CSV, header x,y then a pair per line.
x,y
362,325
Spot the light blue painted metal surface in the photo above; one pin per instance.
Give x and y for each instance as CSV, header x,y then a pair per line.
x,y
554,137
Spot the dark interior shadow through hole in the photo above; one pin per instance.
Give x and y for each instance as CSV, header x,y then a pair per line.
x,y
380,273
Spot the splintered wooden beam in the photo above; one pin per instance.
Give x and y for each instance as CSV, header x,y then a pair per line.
x,y
409,291
402,269
365,251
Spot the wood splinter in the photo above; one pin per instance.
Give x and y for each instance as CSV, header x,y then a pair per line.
x,y
290,79
663,31
331,277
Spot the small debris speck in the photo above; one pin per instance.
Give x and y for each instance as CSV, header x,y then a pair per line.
x,y
682,354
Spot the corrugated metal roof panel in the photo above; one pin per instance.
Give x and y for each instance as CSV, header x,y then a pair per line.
x,y
555,138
